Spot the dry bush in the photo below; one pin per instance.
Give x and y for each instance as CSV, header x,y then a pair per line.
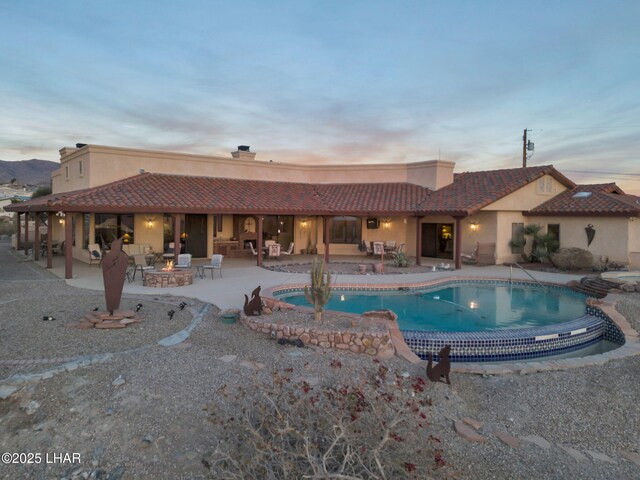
x,y
376,429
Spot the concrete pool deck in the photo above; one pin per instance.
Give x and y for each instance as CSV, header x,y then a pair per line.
x,y
241,276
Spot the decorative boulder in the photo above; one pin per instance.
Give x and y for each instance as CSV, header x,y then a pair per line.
x,y
572,258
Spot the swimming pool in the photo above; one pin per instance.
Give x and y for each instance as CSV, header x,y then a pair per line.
x,y
463,307
482,320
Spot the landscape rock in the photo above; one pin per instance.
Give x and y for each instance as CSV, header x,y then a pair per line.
x,y
575,454
466,432
508,439
631,456
7,390
473,422
537,440
119,380
601,457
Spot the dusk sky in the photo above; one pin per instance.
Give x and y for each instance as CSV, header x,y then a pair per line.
x,y
329,81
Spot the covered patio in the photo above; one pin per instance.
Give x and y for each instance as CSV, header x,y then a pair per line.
x,y
159,210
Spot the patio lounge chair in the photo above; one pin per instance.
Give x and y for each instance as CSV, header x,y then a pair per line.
x,y
470,257
184,261
216,264
95,254
289,251
140,263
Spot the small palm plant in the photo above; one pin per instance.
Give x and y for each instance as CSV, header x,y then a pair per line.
x,y
320,291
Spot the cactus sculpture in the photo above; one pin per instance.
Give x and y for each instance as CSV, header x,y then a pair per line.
x,y
320,291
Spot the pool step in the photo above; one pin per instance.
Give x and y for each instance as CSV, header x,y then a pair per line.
x,y
594,287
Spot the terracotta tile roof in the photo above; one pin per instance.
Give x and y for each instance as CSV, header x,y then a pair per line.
x,y
471,191
151,192
372,198
604,199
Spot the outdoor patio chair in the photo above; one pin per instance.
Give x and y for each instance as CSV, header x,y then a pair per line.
x,y
95,254
216,264
470,257
170,253
184,261
400,248
289,251
390,244
253,250
140,263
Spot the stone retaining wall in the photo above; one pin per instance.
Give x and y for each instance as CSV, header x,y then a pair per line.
x,y
370,343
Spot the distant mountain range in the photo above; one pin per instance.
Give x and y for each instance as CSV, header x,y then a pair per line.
x,y
27,172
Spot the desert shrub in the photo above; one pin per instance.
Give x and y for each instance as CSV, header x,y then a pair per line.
x,y
401,260
572,258
375,429
319,293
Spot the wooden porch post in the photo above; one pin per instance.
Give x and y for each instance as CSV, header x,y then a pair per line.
x,y
36,239
419,240
19,232
457,235
326,224
176,236
50,217
259,239
68,252
26,233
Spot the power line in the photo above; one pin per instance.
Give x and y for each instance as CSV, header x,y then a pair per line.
x,y
602,173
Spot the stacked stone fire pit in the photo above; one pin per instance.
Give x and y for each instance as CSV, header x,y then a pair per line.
x,y
168,277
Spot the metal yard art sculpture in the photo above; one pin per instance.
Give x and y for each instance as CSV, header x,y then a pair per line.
x,y
114,267
436,372
591,233
253,307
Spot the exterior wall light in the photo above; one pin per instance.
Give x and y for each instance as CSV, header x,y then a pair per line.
x,y
303,222
473,226
149,223
60,216
386,223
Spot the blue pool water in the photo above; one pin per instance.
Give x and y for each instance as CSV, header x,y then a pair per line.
x,y
464,307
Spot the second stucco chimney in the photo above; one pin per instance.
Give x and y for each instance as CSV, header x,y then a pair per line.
x,y
243,153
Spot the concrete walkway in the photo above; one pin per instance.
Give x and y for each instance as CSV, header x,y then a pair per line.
x,y
241,276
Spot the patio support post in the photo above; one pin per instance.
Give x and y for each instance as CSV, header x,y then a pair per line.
x,y
457,235
326,224
419,240
259,239
68,235
176,237
36,238
50,217
19,232
26,233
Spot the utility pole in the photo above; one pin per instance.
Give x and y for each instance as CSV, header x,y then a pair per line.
x,y
524,149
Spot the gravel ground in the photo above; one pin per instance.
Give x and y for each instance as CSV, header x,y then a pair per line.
x,y
155,425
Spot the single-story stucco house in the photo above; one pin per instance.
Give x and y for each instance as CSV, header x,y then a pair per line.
x,y
213,204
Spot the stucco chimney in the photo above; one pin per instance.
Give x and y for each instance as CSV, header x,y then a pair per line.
x,y
243,153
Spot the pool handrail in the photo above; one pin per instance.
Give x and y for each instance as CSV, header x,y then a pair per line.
x,y
525,271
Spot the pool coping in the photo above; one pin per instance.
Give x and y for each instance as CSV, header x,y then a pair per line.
x,y
607,305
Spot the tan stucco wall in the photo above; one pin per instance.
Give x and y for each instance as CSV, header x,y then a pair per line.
x,y
107,164
611,239
634,243
527,197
